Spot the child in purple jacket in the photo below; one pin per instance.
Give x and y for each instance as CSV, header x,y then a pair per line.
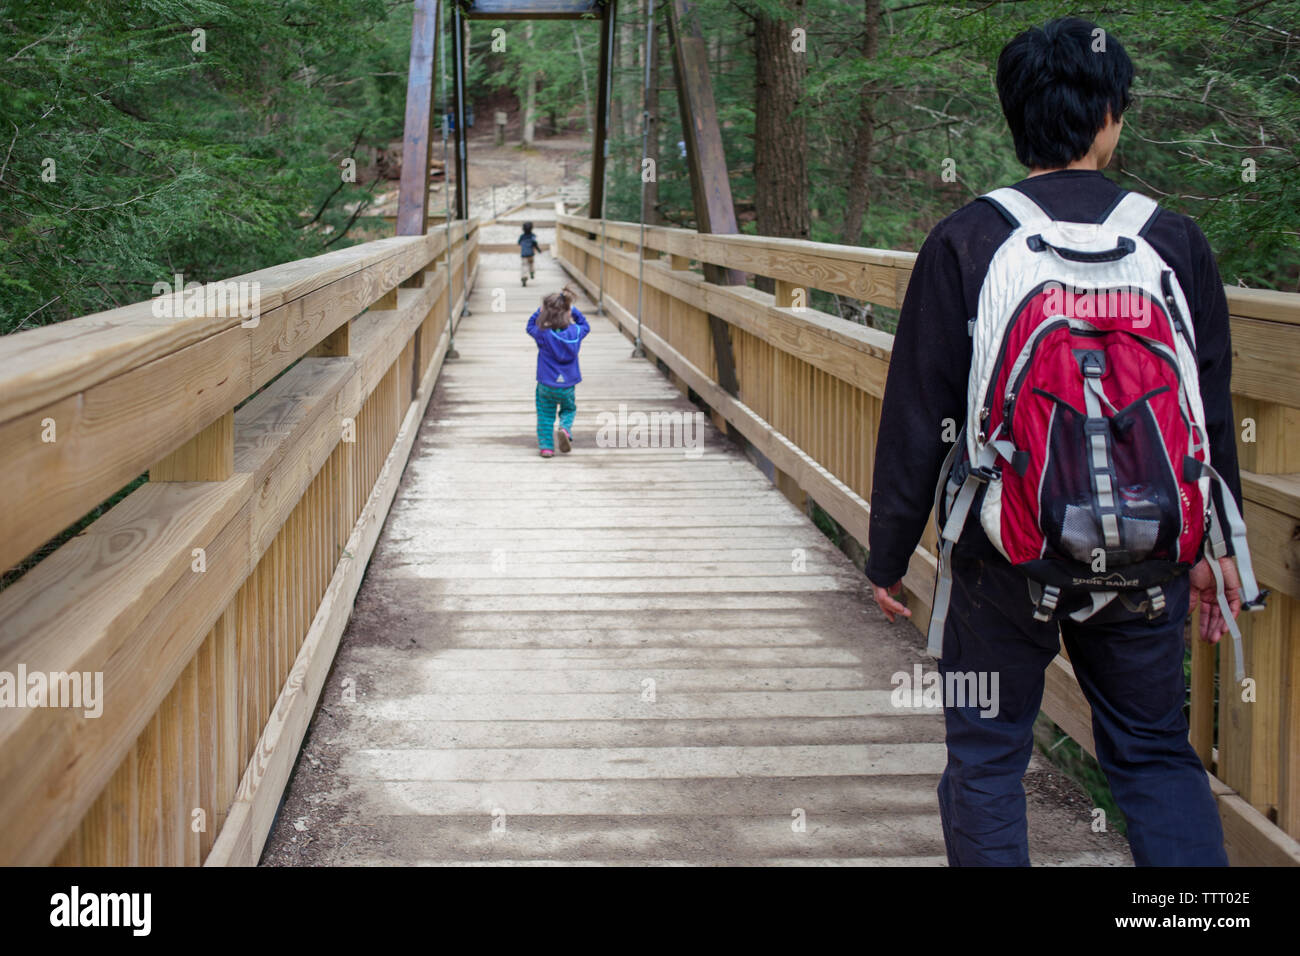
x,y
558,329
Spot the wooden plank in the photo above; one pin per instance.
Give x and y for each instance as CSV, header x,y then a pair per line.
x,y
171,837
1266,360
1289,800
109,434
1263,304
127,605
1274,547
1251,839
42,366
285,335
308,426
79,451
1066,702
840,501
121,843
191,752
148,766
1280,493
854,353
240,841
226,693
876,275
209,736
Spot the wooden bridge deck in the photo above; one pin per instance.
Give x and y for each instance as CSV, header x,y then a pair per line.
x,y
606,657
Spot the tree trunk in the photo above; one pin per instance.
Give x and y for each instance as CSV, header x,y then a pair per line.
x,y
859,193
615,97
627,58
652,139
529,125
780,131
582,68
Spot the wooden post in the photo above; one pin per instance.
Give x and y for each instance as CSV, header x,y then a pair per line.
x,y
208,456
710,188
335,345
787,293
413,191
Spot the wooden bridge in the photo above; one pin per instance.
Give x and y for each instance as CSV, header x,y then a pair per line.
x,y
627,653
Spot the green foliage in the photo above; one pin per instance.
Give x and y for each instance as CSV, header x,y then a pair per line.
x,y
503,54
1214,87
132,148
216,160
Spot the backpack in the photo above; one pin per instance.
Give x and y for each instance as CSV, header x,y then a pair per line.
x,y
1085,453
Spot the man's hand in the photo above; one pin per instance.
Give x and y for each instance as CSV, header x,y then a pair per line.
x,y
1205,597
888,605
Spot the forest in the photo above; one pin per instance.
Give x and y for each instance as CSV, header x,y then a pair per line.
x,y
213,137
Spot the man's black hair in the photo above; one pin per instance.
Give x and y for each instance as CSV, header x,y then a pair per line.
x,y
1056,83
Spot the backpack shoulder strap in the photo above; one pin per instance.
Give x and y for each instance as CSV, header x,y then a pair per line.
x,y
1018,208
1131,215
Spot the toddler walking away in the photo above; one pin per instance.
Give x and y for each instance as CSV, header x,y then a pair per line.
x,y
558,329
528,245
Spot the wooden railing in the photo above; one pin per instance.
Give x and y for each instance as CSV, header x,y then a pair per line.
x,y
808,399
212,597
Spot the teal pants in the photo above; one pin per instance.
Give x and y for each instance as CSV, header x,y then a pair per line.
x,y
548,400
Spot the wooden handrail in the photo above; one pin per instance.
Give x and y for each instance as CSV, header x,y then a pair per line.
x,y
210,599
809,401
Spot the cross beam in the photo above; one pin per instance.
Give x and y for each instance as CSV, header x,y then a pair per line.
x,y
531,9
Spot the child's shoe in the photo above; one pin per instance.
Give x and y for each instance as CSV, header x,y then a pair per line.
x,y
547,453
523,282
564,440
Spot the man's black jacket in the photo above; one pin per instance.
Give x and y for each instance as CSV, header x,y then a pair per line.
x,y
932,354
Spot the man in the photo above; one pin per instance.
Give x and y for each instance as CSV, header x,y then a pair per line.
x,y
1063,95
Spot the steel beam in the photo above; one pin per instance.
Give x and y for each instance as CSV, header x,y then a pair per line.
x,y
413,189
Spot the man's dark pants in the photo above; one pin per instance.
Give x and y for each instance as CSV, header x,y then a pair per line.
x,y
1131,671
